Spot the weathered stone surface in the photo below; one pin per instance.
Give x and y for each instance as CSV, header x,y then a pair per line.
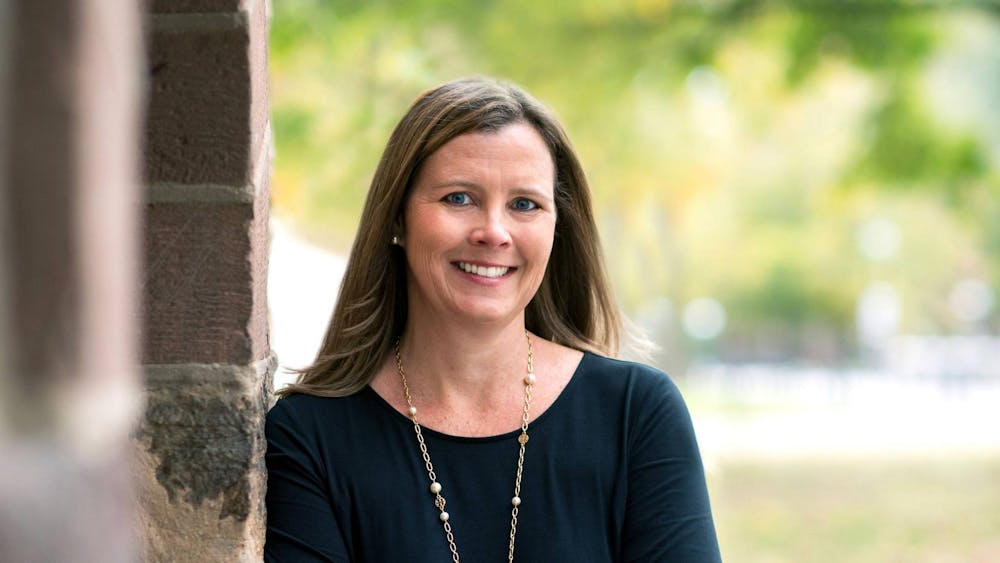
x,y
203,443
208,108
206,269
198,298
199,463
198,129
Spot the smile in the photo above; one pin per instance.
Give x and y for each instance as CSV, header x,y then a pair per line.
x,y
484,271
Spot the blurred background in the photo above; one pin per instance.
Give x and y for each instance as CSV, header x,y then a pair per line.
x,y
799,203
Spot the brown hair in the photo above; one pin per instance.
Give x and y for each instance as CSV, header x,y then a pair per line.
x,y
573,306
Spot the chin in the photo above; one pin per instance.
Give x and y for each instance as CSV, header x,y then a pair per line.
x,y
485,314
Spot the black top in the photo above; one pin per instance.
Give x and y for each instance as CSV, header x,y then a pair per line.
x,y
611,473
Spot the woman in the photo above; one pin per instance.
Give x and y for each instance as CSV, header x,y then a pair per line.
x,y
462,405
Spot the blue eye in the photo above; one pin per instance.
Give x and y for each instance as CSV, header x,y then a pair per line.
x,y
457,198
524,204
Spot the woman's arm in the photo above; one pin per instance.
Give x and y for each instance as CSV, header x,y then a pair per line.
x,y
668,516
301,526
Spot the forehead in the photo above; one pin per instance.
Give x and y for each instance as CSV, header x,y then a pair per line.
x,y
518,147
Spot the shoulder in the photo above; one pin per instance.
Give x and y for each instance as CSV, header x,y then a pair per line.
x,y
304,413
645,398
297,407
304,403
319,431
632,378
620,367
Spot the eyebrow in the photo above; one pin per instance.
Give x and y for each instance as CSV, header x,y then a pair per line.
x,y
456,184
533,192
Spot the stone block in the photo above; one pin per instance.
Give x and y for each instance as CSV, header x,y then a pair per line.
x,y
208,97
204,283
199,468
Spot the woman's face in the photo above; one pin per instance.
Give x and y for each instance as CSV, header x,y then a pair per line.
x,y
479,225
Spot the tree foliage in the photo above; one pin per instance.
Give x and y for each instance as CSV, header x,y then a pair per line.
x,y
736,148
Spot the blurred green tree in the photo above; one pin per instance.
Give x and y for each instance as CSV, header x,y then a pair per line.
x,y
737,149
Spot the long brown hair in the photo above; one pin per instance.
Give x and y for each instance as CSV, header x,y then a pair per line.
x,y
573,306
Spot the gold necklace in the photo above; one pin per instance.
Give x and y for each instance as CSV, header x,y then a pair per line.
x,y
436,488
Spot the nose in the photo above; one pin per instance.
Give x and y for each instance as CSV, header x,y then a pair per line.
x,y
491,231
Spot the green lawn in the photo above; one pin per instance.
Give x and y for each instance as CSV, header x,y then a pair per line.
x,y
858,511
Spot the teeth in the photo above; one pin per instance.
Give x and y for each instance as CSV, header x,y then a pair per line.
x,y
486,272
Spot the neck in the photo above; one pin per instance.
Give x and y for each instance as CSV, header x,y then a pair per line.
x,y
448,363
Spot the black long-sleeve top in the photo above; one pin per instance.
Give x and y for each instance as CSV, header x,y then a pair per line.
x,y
611,473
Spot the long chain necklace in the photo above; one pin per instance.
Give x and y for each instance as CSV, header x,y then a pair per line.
x,y
436,488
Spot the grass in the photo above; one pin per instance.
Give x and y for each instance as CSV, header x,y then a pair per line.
x,y
858,511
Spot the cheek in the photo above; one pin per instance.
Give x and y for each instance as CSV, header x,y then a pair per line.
x,y
426,231
428,238
542,240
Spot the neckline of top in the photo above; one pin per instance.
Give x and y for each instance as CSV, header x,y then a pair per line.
x,y
400,417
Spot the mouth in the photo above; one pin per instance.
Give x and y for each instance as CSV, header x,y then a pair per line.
x,y
484,271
